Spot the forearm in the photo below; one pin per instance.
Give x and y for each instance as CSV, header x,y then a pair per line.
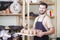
x,y
51,31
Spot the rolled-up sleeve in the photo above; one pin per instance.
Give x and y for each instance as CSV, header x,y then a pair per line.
x,y
48,22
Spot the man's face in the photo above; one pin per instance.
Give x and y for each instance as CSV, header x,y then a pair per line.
x,y
42,9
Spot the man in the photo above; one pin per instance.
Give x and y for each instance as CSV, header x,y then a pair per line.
x,y
42,24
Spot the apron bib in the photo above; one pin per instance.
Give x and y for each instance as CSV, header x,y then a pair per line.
x,y
40,26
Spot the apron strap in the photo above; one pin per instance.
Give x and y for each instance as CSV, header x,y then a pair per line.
x,y
45,24
43,18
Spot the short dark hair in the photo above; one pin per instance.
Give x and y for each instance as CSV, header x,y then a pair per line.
x,y
43,3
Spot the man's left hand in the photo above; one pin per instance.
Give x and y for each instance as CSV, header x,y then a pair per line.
x,y
40,33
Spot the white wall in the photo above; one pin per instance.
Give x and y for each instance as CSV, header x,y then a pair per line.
x,y
58,18
8,20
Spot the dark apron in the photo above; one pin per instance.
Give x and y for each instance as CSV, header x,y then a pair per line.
x,y
40,26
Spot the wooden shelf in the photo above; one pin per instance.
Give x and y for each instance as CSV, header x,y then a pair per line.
x,y
32,17
10,14
52,17
49,3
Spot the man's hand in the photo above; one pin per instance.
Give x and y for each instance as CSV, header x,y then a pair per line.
x,y
39,33
22,31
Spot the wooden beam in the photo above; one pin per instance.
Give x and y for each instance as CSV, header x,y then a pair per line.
x,y
23,37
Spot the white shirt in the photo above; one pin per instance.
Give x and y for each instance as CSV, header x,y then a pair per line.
x,y
46,21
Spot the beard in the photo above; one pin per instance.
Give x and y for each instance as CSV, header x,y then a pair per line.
x,y
42,12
